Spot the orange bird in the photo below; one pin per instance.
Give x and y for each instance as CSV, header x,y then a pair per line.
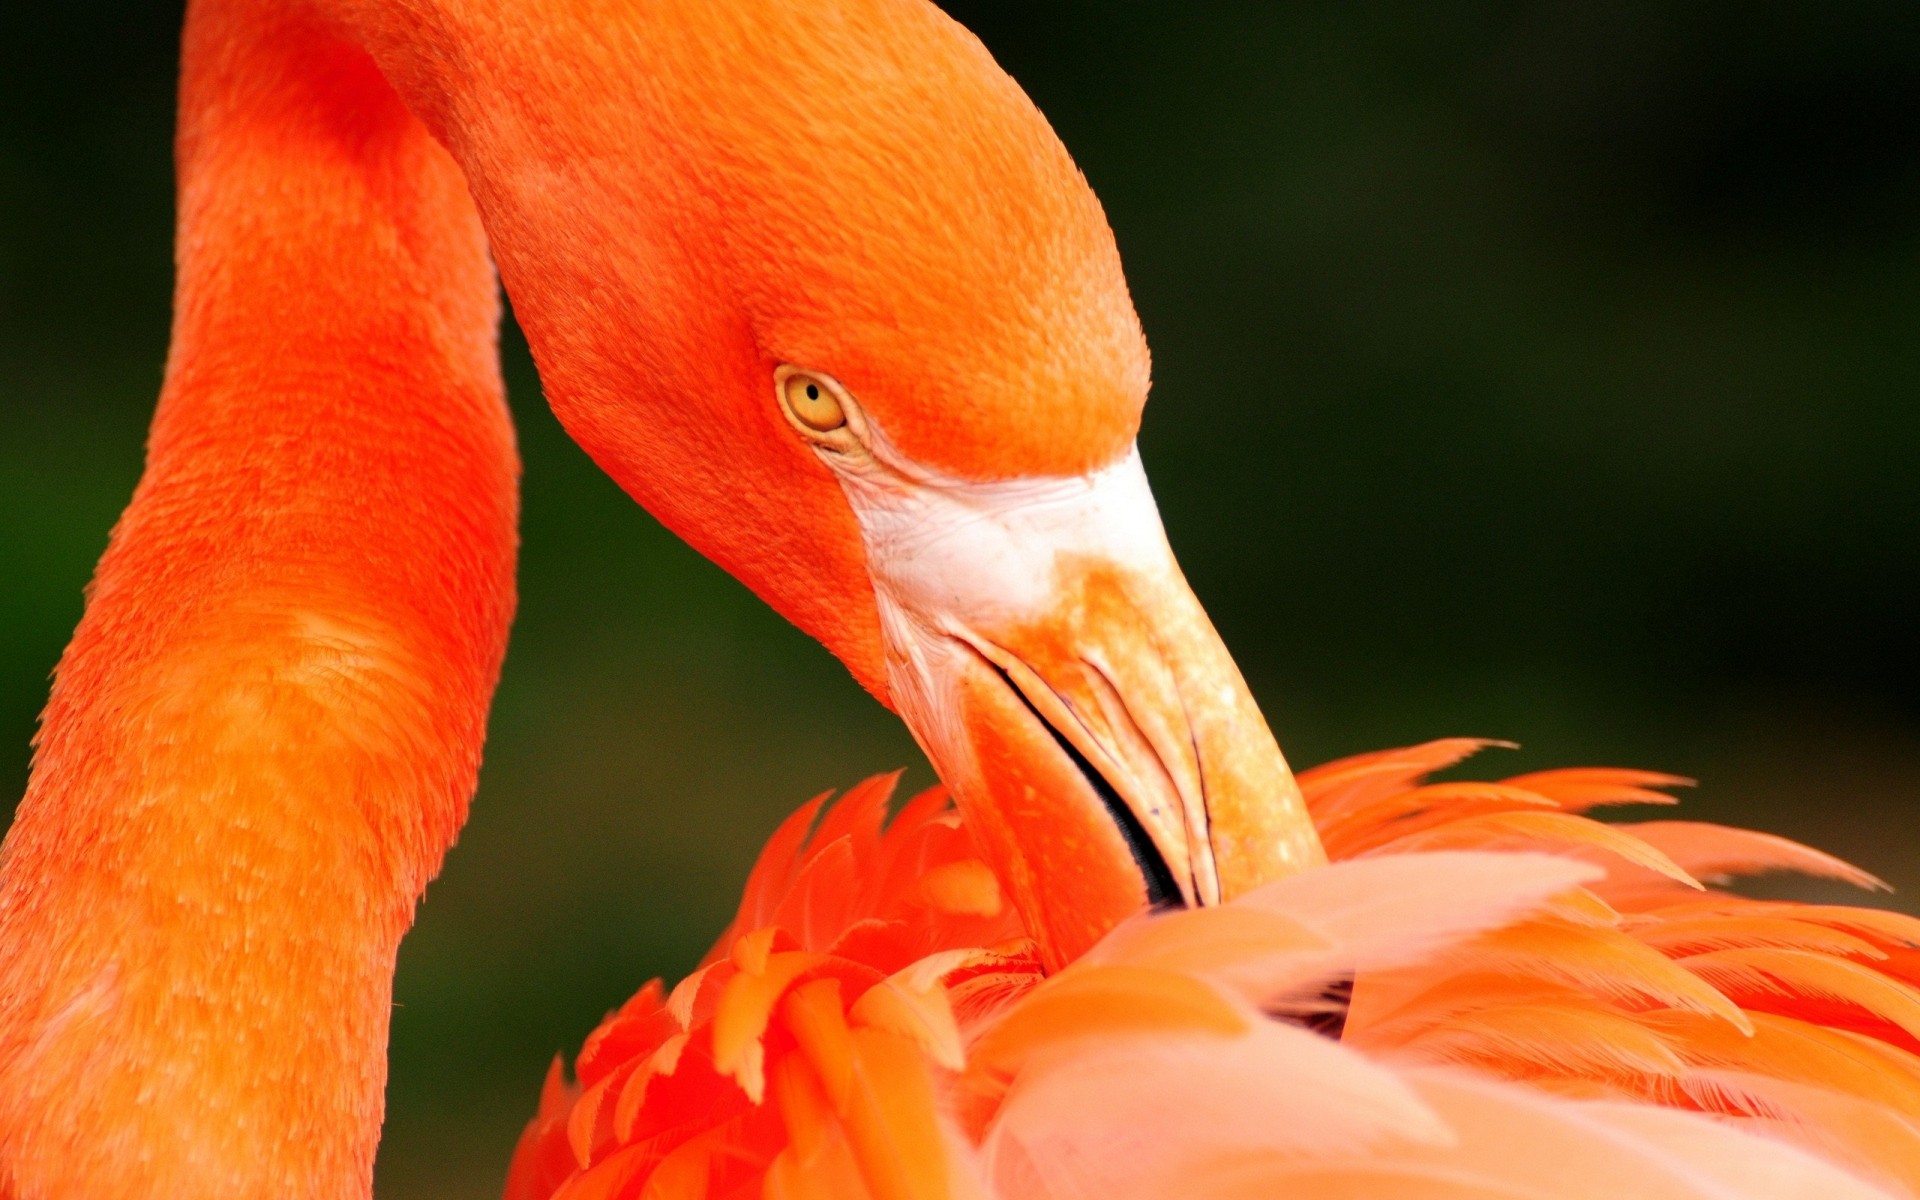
x,y
817,285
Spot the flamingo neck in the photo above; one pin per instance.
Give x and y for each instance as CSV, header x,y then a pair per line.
x,y
264,734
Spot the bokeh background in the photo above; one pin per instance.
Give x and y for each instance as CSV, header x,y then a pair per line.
x,y
1543,369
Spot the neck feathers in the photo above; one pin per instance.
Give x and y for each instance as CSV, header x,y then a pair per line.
x,y
266,730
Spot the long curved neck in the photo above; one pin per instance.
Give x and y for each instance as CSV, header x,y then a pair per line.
x,y
265,732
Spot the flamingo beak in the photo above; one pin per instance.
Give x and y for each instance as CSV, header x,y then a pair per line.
x,y
1049,656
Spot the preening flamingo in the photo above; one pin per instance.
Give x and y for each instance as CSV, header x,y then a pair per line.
x,y
817,285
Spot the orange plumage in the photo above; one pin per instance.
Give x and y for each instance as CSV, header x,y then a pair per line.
x,y
1602,979
264,734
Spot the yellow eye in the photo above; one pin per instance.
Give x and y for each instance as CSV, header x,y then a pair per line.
x,y
812,402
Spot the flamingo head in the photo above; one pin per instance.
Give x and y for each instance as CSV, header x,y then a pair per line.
x,y
842,312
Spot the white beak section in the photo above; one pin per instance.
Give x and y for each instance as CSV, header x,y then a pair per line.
x,y
948,545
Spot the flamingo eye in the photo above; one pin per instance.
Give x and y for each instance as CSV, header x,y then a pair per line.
x,y
813,401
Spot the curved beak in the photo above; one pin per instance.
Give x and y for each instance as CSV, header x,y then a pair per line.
x,y
1050,658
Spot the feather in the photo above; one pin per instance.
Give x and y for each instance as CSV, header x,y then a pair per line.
x,y
1257,953
913,1004
773,871
609,1178
1100,1003
1393,1007
584,1122
885,1016
1574,1150
663,1061
1334,789
1542,831
1880,1143
1392,909
1576,789
817,1163
858,815
1137,1115
1718,852
964,888
543,1159
1419,808
744,1010
1889,929
1795,1050
1783,980
1601,961
1380,1180
1544,1039
639,1025
878,1086
1682,935
1729,1163
821,902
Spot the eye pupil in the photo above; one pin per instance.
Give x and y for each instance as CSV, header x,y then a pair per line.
x,y
813,391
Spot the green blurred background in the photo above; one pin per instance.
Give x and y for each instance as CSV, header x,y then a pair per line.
x,y
1543,370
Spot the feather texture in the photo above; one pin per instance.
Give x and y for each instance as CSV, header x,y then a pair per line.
x,y
1541,1006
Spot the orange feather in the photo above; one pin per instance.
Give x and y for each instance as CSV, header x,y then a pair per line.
x,y
1464,965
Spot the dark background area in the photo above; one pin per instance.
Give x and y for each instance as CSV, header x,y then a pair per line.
x,y
1543,370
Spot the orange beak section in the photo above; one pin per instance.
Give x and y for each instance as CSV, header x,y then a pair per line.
x,y
1048,654
1121,761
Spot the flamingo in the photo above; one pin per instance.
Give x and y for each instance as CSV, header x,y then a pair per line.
x,y
816,284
